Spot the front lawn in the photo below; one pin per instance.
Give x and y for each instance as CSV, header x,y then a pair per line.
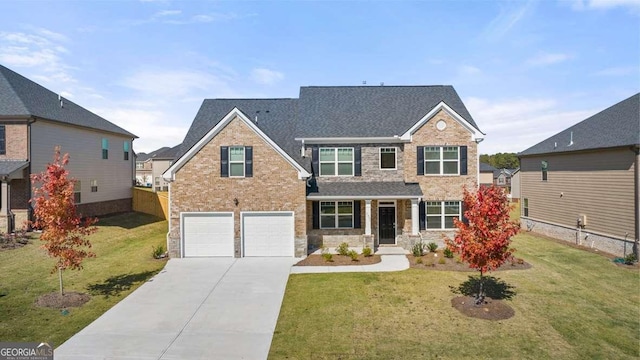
x,y
123,246
571,304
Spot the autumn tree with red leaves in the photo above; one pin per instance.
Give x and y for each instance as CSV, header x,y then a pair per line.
x,y
63,230
483,238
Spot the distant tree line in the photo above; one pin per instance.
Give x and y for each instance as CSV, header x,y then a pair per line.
x,y
501,160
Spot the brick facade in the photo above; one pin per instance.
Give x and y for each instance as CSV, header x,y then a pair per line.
x,y
17,142
198,186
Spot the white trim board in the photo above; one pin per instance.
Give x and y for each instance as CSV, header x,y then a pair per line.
x,y
169,175
476,134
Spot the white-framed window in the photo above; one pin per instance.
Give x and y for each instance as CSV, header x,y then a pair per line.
x,y
336,161
501,180
157,180
440,214
336,214
388,160
77,187
236,161
94,185
442,160
139,165
525,207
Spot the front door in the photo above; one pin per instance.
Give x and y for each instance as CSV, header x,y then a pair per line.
x,y
387,225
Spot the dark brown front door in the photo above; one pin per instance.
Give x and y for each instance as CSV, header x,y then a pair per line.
x,y
387,225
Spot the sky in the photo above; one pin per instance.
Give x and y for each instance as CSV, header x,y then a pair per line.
x,y
525,69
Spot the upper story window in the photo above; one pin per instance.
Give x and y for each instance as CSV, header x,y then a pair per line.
x,y
501,180
77,187
336,214
336,161
105,148
125,148
388,158
3,140
545,166
440,214
442,160
139,165
236,161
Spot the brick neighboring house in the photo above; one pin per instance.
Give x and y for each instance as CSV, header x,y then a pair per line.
x,y
363,165
144,167
582,184
33,121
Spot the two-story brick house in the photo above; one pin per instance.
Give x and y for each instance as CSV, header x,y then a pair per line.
x,y
364,165
33,121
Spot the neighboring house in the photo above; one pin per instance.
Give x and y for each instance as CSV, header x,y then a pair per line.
x,y
581,185
33,121
502,178
144,167
160,162
364,165
515,185
486,174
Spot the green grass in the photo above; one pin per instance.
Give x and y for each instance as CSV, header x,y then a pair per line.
x,y
123,247
570,305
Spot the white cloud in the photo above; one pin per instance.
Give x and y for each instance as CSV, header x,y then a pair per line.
x,y
175,85
167,13
266,76
618,71
513,125
605,4
544,59
469,70
507,19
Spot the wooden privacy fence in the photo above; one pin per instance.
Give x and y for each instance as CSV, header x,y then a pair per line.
x,y
152,203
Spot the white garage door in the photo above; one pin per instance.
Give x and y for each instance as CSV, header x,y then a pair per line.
x,y
268,233
207,234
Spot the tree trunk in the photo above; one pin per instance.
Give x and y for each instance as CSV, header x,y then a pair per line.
x,y
480,295
60,278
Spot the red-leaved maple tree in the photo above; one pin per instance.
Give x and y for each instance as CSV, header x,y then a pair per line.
x,y
63,230
483,239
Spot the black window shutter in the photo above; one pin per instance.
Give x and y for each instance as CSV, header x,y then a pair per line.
x,y
356,215
316,214
248,161
420,153
464,218
315,160
463,160
422,215
357,161
224,161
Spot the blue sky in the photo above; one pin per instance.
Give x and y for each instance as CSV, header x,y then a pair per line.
x,y
525,69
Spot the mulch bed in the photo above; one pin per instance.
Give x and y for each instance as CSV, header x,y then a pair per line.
x,y
57,301
430,261
12,241
338,260
489,310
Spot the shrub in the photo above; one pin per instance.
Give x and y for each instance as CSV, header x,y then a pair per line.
x,y
419,260
353,254
432,246
447,253
327,256
429,262
630,259
367,251
418,249
158,252
442,261
343,249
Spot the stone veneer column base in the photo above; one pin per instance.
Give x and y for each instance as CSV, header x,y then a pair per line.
x,y
4,224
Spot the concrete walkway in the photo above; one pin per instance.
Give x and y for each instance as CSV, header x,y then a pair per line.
x,y
210,308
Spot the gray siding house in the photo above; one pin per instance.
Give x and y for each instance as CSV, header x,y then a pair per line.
x,y
33,121
581,185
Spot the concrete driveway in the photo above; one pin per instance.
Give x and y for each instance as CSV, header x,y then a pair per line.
x,y
199,308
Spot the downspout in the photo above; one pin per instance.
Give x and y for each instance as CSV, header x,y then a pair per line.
x,y
636,186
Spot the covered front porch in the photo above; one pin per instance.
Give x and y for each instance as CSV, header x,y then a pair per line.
x,y
363,214
14,195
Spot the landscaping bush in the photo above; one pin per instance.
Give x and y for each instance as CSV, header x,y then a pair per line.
x,y
432,246
343,249
158,252
447,253
367,251
442,261
353,254
418,249
326,255
630,259
419,260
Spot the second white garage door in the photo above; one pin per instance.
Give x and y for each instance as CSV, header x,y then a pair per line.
x,y
268,233
207,234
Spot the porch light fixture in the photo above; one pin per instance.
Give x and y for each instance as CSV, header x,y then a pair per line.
x,y
235,201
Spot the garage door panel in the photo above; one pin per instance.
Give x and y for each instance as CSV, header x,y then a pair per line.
x,y
268,234
208,234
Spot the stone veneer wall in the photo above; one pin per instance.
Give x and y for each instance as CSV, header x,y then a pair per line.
x,y
608,244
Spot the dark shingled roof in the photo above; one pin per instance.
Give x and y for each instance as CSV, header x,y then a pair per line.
x,y
276,118
367,189
484,167
9,166
371,111
22,97
167,153
145,156
616,126
335,111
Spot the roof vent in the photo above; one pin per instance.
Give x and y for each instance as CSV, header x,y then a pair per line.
x,y
364,82
571,139
60,100
382,83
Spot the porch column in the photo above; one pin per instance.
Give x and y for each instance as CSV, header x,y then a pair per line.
x,y
4,197
415,214
367,217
